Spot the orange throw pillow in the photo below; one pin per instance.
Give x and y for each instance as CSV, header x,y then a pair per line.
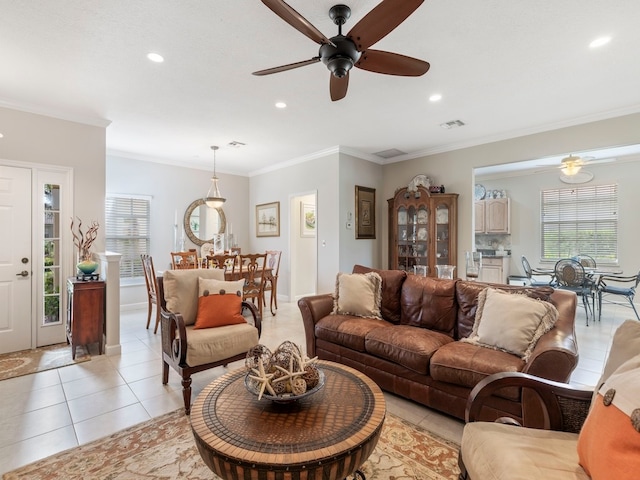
x,y
219,310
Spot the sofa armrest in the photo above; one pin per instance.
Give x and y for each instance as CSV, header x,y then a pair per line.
x,y
313,309
564,407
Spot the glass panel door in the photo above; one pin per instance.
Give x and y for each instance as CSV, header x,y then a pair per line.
x,y
52,255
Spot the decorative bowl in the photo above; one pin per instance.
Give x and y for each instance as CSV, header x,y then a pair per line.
x,y
254,387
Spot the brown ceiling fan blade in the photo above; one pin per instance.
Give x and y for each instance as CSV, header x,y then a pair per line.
x,y
284,68
380,21
338,87
392,64
297,21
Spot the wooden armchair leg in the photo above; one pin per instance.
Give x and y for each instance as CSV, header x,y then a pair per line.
x,y
186,394
463,470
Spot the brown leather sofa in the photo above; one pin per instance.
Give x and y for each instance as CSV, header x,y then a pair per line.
x,y
413,350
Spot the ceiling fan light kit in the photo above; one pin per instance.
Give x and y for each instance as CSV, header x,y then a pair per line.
x,y
341,53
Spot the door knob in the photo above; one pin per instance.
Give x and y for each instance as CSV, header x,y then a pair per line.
x,y
23,273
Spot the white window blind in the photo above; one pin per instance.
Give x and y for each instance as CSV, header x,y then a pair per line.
x,y
580,220
127,221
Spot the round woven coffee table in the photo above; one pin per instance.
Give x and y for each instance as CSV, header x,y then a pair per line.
x,y
327,435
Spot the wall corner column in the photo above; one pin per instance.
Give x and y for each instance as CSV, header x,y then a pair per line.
x,y
110,272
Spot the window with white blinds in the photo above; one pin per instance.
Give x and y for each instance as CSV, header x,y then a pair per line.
x,y
127,219
580,220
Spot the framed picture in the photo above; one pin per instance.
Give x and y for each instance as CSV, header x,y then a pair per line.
x,y
307,220
365,213
268,220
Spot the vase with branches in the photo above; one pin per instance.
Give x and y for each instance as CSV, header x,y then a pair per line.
x,y
83,241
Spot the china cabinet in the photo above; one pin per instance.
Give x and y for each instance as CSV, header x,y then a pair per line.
x,y
422,229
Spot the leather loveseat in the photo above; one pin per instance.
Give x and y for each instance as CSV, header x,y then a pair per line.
x,y
414,350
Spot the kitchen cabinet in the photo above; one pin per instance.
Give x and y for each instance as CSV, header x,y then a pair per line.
x,y
493,215
494,269
85,313
422,229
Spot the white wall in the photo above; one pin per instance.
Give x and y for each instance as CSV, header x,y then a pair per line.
x,y
172,189
524,191
303,250
454,169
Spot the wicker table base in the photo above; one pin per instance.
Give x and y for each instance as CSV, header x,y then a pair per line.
x,y
328,435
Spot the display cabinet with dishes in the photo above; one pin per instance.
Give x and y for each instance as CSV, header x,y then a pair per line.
x,y
422,229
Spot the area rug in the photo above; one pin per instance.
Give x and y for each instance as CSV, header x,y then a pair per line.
x,y
164,448
43,358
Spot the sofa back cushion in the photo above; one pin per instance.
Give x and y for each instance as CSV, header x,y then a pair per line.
x,y
392,281
429,303
467,300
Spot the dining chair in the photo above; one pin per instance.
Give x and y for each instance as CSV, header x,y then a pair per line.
x,y
184,260
530,272
624,286
587,261
152,289
570,275
228,263
252,268
271,278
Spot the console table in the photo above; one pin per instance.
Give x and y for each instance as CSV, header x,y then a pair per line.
x,y
327,435
85,313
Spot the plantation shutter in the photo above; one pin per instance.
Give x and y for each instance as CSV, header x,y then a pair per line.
x,y
127,220
580,220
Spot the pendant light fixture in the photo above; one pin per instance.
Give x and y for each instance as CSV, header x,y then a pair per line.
x,y
214,198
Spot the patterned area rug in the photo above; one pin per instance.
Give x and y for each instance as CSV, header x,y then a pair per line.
x,y
44,358
164,448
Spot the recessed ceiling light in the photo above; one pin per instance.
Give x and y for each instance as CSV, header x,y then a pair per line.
x,y
155,57
281,105
436,97
600,41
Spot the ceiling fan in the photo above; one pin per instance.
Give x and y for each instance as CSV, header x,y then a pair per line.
x,y
572,171
343,52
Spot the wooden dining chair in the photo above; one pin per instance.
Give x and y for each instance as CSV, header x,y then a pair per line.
x,y
252,267
271,279
228,263
184,260
152,289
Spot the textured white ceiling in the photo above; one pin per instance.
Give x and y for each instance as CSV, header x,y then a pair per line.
x,y
504,67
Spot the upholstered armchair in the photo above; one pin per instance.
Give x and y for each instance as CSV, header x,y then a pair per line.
x,y
583,435
197,336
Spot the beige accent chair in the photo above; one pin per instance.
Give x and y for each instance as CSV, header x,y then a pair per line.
x,y
188,350
507,451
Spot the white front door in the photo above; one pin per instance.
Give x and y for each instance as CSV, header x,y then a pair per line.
x,y
16,268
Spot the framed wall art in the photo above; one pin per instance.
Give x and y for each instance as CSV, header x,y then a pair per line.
x,y
268,220
307,220
365,213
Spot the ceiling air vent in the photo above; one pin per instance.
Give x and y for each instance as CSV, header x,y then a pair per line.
x,y
393,152
236,144
452,124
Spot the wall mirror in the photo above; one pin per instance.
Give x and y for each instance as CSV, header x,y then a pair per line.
x,y
201,223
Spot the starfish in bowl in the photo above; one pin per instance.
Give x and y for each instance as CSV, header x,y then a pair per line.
x,y
289,374
263,378
303,360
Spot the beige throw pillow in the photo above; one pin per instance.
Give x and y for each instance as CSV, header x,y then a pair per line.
x,y
511,323
181,290
213,286
358,294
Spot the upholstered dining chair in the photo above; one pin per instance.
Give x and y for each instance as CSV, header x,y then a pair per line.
x,y
152,289
570,275
624,286
252,266
184,260
271,278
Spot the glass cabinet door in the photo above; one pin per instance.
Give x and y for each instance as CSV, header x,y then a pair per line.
x,y
442,235
413,236
52,255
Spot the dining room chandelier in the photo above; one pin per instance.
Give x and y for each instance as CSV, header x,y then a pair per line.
x,y
214,199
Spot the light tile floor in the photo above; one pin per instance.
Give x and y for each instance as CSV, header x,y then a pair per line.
x,y
51,411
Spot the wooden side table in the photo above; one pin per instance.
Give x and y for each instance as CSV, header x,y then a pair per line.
x,y
85,313
327,435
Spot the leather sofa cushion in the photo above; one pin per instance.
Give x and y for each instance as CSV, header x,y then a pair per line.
x,y
348,331
429,303
411,347
466,365
467,300
494,451
392,281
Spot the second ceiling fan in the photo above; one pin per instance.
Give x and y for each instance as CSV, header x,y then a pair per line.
x,y
343,52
